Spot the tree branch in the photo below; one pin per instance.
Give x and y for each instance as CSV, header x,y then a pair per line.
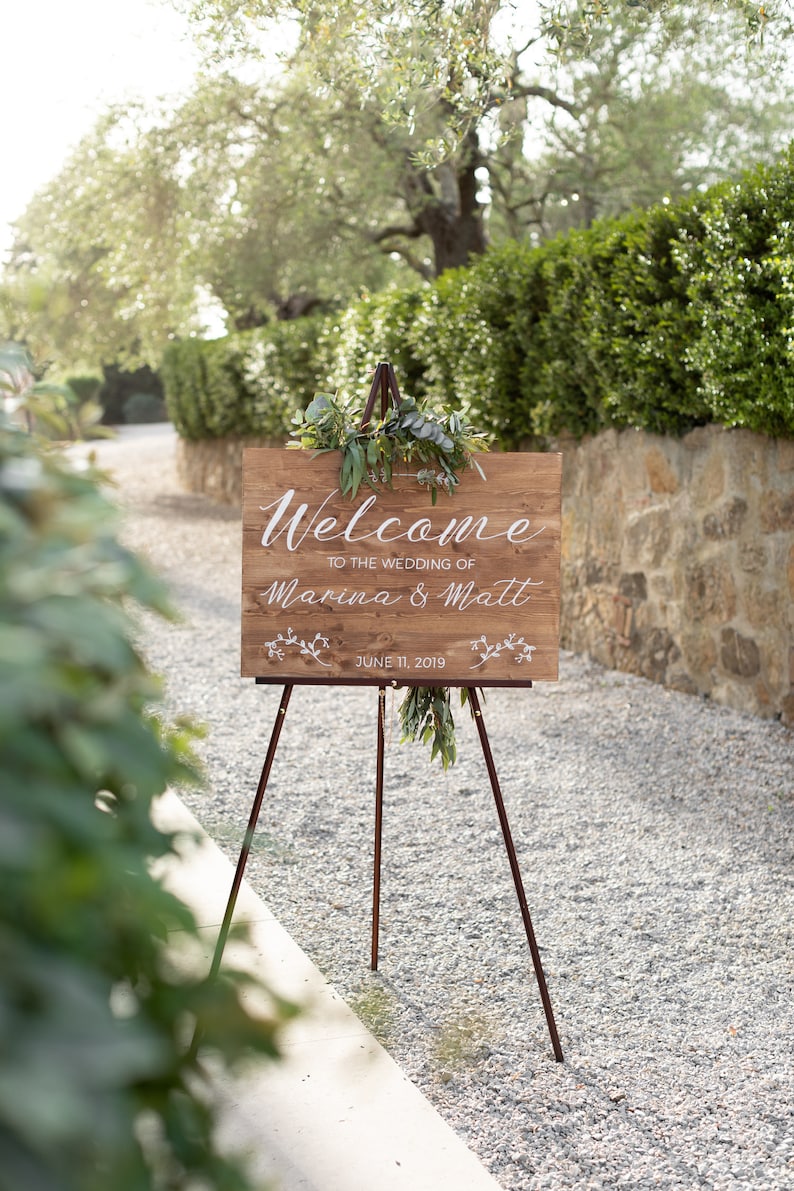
x,y
410,230
534,91
425,271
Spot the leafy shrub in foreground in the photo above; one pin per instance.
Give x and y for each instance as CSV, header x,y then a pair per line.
x,y
97,1089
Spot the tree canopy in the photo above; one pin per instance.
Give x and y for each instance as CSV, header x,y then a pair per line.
x,y
401,136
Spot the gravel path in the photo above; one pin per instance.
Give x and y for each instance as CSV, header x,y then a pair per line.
x,y
654,833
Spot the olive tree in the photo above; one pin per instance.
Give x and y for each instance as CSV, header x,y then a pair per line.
x,y
404,135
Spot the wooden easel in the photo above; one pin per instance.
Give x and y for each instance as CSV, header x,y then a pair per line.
x,y
385,386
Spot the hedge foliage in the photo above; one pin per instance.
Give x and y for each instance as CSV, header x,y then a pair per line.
x,y
98,1088
246,384
664,319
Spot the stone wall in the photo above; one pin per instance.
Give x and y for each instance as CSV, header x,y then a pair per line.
x,y
214,466
677,557
678,562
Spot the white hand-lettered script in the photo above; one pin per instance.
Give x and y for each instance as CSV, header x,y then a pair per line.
x,y
297,522
503,593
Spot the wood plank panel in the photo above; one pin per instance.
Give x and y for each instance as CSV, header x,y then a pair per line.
x,y
390,588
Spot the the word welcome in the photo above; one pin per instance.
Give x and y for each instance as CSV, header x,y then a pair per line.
x,y
296,523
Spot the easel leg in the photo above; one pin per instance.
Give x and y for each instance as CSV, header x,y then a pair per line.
x,y
378,826
511,854
249,833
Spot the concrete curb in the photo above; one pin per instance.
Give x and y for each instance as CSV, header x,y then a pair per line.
x,y
336,1114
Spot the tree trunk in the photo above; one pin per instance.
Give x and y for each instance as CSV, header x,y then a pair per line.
x,y
457,232
450,213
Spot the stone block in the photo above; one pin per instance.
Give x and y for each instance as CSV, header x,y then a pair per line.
x,y
634,586
711,592
595,571
598,462
774,661
777,511
680,680
748,459
702,438
605,527
648,537
661,476
661,586
760,604
632,473
571,576
753,558
656,650
571,452
708,479
726,521
570,534
784,454
700,654
739,655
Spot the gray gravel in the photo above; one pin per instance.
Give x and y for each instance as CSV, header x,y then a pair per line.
x,y
654,833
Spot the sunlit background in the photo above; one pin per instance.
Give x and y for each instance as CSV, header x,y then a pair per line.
x,y
62,65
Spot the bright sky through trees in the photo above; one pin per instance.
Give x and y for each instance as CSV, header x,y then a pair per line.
x,y
63,64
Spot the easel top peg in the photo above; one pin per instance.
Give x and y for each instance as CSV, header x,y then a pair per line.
x,y
384,382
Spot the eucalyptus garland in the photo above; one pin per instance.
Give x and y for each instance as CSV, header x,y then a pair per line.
x,y
445,445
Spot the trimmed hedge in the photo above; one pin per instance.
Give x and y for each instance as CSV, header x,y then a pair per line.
x,y
246,384
663,320
378,327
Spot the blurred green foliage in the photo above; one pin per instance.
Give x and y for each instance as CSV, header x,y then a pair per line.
x,y
98,1088
119,386
58,411
664,319
144,407
377,327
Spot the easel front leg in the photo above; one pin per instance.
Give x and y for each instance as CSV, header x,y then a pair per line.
x,y
249,833
511,854
378,826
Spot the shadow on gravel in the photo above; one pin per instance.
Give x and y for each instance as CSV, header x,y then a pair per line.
x,y
191,508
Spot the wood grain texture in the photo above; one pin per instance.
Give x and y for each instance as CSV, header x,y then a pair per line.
x,y
390,588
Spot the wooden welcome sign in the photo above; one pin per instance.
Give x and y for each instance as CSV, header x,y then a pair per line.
x,y
389,588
